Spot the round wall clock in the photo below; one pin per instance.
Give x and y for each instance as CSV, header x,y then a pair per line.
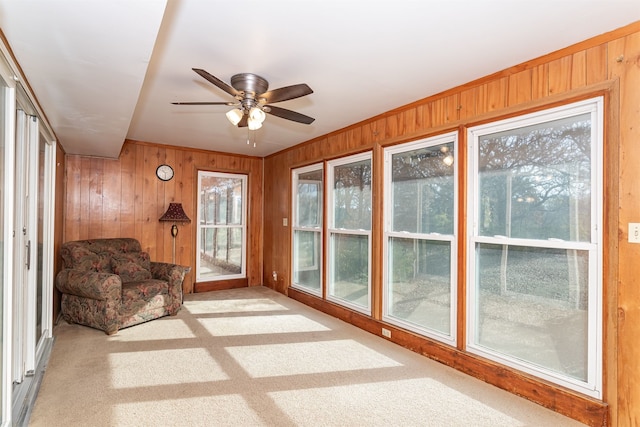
x,y
164,172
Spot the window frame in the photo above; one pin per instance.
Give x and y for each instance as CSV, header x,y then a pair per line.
x,y
333,231
243,227
595,106
450,137
318,230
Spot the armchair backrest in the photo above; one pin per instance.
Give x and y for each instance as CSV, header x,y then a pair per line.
x,y
96,254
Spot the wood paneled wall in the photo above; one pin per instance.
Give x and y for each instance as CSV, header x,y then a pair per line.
x,y
124,198
58,227
605,65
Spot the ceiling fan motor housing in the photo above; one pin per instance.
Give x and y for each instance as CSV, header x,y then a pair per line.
x,y
250,84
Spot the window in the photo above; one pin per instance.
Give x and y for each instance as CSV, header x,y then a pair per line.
x,y
221,226
534,283
420,246
307,228
349,232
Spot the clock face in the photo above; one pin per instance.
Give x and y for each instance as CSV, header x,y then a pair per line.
x,y
164,172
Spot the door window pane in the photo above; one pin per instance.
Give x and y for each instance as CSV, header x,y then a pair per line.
x,y
222,226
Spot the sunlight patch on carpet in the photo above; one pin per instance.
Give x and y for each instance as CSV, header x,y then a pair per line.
x,y
252,325
308,358
163,367
172,328
392,403
226,410
232,305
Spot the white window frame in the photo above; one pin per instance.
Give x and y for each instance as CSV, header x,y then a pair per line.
x,y
243,226
593,385
451,137
332,230
295,173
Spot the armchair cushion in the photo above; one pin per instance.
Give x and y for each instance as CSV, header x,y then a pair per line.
x,y
132,267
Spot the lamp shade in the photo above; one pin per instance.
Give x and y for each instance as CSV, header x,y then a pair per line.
x,y
175,213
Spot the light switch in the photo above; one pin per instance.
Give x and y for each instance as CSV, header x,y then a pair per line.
x,y
634,232
285,222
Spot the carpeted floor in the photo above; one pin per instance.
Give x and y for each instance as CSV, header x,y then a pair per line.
x,y
253,357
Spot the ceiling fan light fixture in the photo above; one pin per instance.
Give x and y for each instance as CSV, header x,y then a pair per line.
x,y
235,116
254,124
257,114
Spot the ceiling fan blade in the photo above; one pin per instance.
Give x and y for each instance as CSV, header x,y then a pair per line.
x,y
286,93
244,122
216,81
204,103
289,115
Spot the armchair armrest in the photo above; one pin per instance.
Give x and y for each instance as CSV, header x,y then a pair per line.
x,y
89,284
174,275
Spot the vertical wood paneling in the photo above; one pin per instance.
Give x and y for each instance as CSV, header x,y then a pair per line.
x,y
623,60
596,66
127,163
111,192
579,69
123,197
59,223
467,107
560,75
73,199
540,82
84,225
519,88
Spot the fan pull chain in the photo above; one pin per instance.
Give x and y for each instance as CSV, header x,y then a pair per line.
x,y
249,137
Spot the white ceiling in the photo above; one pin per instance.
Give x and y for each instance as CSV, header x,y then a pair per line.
x,y
105,70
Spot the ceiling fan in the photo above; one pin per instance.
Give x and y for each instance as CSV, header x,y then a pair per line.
x,y
254,99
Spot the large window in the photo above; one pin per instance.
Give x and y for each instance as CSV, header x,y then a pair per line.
x,y
534,282
349,232
221,226
420,247
307,228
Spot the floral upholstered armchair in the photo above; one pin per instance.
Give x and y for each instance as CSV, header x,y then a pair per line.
x,y
110,284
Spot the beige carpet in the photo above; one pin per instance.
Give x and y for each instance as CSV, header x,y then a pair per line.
x,y
253,357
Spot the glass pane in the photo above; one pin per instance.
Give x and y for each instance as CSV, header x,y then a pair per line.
x,y
419,289
532,305
3,171
221,200
40,225
309,203
352,196
423,190
535,181
306,259
349,279
222,252
221,226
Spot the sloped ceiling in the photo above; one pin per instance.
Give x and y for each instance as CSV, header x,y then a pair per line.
x,y
104,71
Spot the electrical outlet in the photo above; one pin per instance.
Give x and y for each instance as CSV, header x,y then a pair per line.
x,y
285,222
386,333
275,276
634,232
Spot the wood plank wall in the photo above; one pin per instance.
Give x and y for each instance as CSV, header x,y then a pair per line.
x,y
58,227
124,198
605,65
